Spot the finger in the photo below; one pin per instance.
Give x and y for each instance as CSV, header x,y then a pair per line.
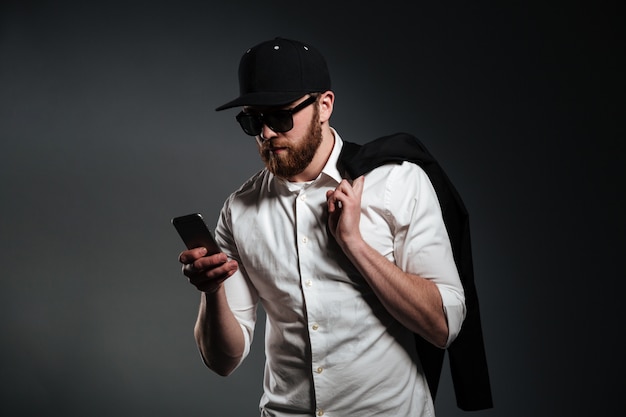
x,y
191,255
342,194
352,190
189,270
213,277
209,262
358,185
331,200
200,265
344,187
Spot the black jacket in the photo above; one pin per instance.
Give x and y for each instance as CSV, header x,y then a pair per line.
x,y
468,362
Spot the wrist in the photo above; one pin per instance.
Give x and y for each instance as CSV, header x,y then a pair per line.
x,y
213,296
353,247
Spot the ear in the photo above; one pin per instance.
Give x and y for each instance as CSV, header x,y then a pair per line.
x,y
326,101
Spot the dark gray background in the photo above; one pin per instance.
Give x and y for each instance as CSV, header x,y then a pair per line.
x,y
107,131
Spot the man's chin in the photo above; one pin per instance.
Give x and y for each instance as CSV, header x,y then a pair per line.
x,y
282,171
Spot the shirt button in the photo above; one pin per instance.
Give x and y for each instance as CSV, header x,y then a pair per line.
x,y
303,197
308,283
320,412
319,370
315,326
305,239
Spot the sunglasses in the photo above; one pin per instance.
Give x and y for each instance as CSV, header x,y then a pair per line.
x,y
279,121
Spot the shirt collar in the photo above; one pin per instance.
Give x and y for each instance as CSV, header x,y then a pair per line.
x,y
330,169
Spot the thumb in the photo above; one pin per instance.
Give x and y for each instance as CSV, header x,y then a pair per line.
x,y
358,185
330,201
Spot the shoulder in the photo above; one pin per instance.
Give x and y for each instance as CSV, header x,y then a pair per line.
x,y
405,176
397,187
396,148
251,188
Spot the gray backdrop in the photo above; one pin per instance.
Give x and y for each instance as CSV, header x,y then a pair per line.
x,y
107,131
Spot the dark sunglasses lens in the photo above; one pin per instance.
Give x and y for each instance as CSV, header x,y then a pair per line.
x,y
251,124
279,121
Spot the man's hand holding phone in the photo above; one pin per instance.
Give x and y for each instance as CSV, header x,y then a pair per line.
x,y
206,272
203,262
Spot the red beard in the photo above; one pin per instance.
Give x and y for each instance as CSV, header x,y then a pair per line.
x,y
290,159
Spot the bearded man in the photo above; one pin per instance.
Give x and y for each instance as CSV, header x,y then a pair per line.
x,y
346,269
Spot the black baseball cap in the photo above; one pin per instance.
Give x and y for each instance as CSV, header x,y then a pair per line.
x,y
278,72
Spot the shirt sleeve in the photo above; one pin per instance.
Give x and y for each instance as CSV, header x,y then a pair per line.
x,y
421,243
240,293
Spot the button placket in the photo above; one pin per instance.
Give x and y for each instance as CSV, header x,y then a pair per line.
x,y
305,207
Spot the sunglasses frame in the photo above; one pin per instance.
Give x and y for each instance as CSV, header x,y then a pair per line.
x,y
247,120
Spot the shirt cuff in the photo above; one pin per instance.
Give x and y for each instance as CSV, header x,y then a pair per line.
x,y
454,309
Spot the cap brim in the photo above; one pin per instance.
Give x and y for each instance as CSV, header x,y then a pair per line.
x,y
264,99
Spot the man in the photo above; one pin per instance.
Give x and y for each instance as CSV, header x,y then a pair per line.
x,y
347,270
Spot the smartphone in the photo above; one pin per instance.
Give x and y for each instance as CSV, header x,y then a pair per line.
x,y
195,233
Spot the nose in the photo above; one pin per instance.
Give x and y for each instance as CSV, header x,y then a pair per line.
x,y
267,133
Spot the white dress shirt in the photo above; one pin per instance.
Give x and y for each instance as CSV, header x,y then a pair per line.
x,y
331,348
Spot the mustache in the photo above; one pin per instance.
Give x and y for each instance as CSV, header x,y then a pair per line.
x,y
268,145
